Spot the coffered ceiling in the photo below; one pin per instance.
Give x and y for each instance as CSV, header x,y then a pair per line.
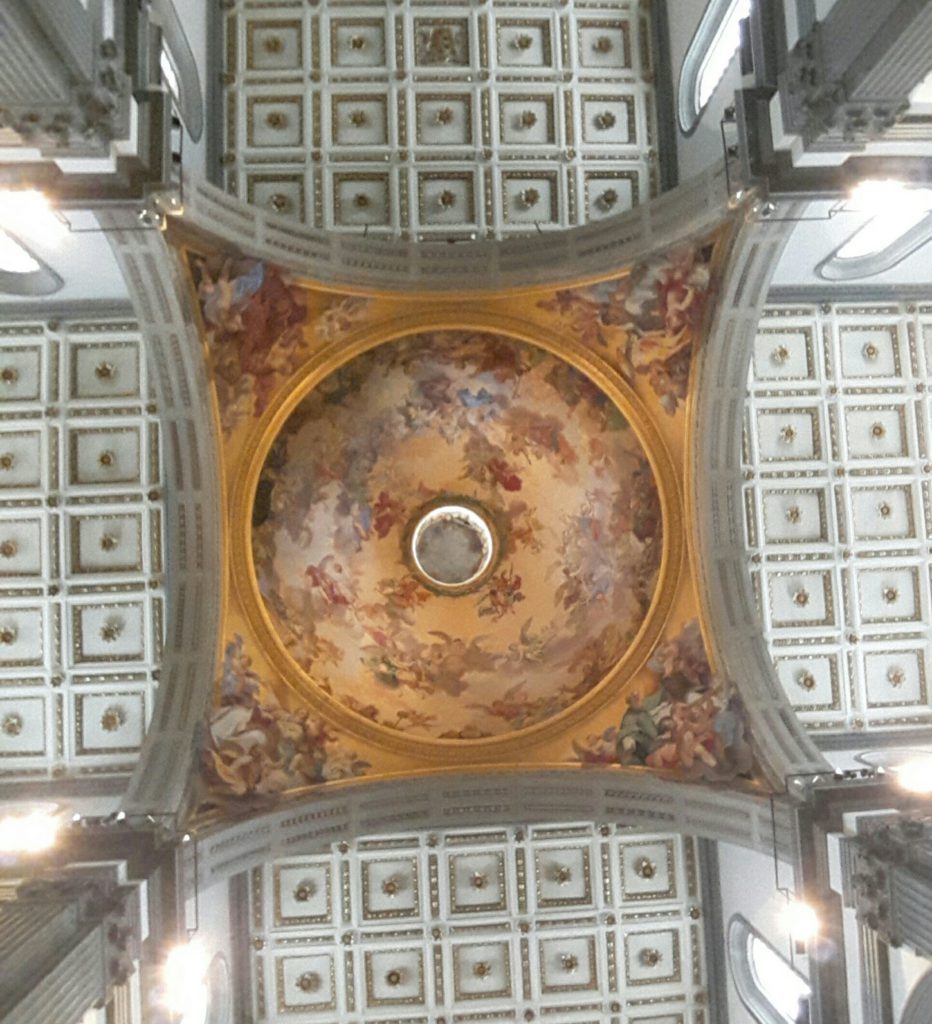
x,y
80,547
838,512
440,121
574,923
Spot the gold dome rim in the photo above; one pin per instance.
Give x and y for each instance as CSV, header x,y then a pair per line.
x,y
301,685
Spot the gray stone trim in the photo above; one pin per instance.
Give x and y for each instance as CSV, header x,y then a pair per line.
x,y
861,294
167,765
70,788
593,251
875,739
312,821
239,935
213,93
713,931
77,310
720,373
664,97
876,996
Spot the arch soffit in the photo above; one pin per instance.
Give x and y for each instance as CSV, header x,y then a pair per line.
x,y
738,648
352,263
161,781
320,816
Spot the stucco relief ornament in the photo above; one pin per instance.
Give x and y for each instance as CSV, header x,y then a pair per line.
x,y
92,114
113,718
441,44
12,724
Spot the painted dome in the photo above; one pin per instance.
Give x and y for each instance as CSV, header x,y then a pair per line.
x,y
456,535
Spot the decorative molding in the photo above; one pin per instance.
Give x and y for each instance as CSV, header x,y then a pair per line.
x,y
94,107
714,930
165,769
731,623
382,264
345,810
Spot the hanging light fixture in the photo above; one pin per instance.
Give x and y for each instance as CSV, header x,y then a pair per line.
x,y
800,920
28,829
184,979
29,214
894,209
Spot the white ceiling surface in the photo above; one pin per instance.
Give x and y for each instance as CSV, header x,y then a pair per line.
x,y
82,256
921,96
838,520
748,887
824,227
580,924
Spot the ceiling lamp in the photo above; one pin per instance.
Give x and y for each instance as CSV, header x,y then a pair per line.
x,y
915,775
28,212
28,830
895,208
184,980
800,920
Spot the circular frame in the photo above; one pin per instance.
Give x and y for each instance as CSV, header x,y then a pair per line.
x,y
473,508
336,355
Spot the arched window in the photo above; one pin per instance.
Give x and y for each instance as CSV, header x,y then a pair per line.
x,y
179,69
23,273
878,245
707,59
772,990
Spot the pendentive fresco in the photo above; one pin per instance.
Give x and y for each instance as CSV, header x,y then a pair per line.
x,y
646,322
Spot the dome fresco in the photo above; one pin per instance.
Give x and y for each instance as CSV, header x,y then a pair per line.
x,y
539,452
